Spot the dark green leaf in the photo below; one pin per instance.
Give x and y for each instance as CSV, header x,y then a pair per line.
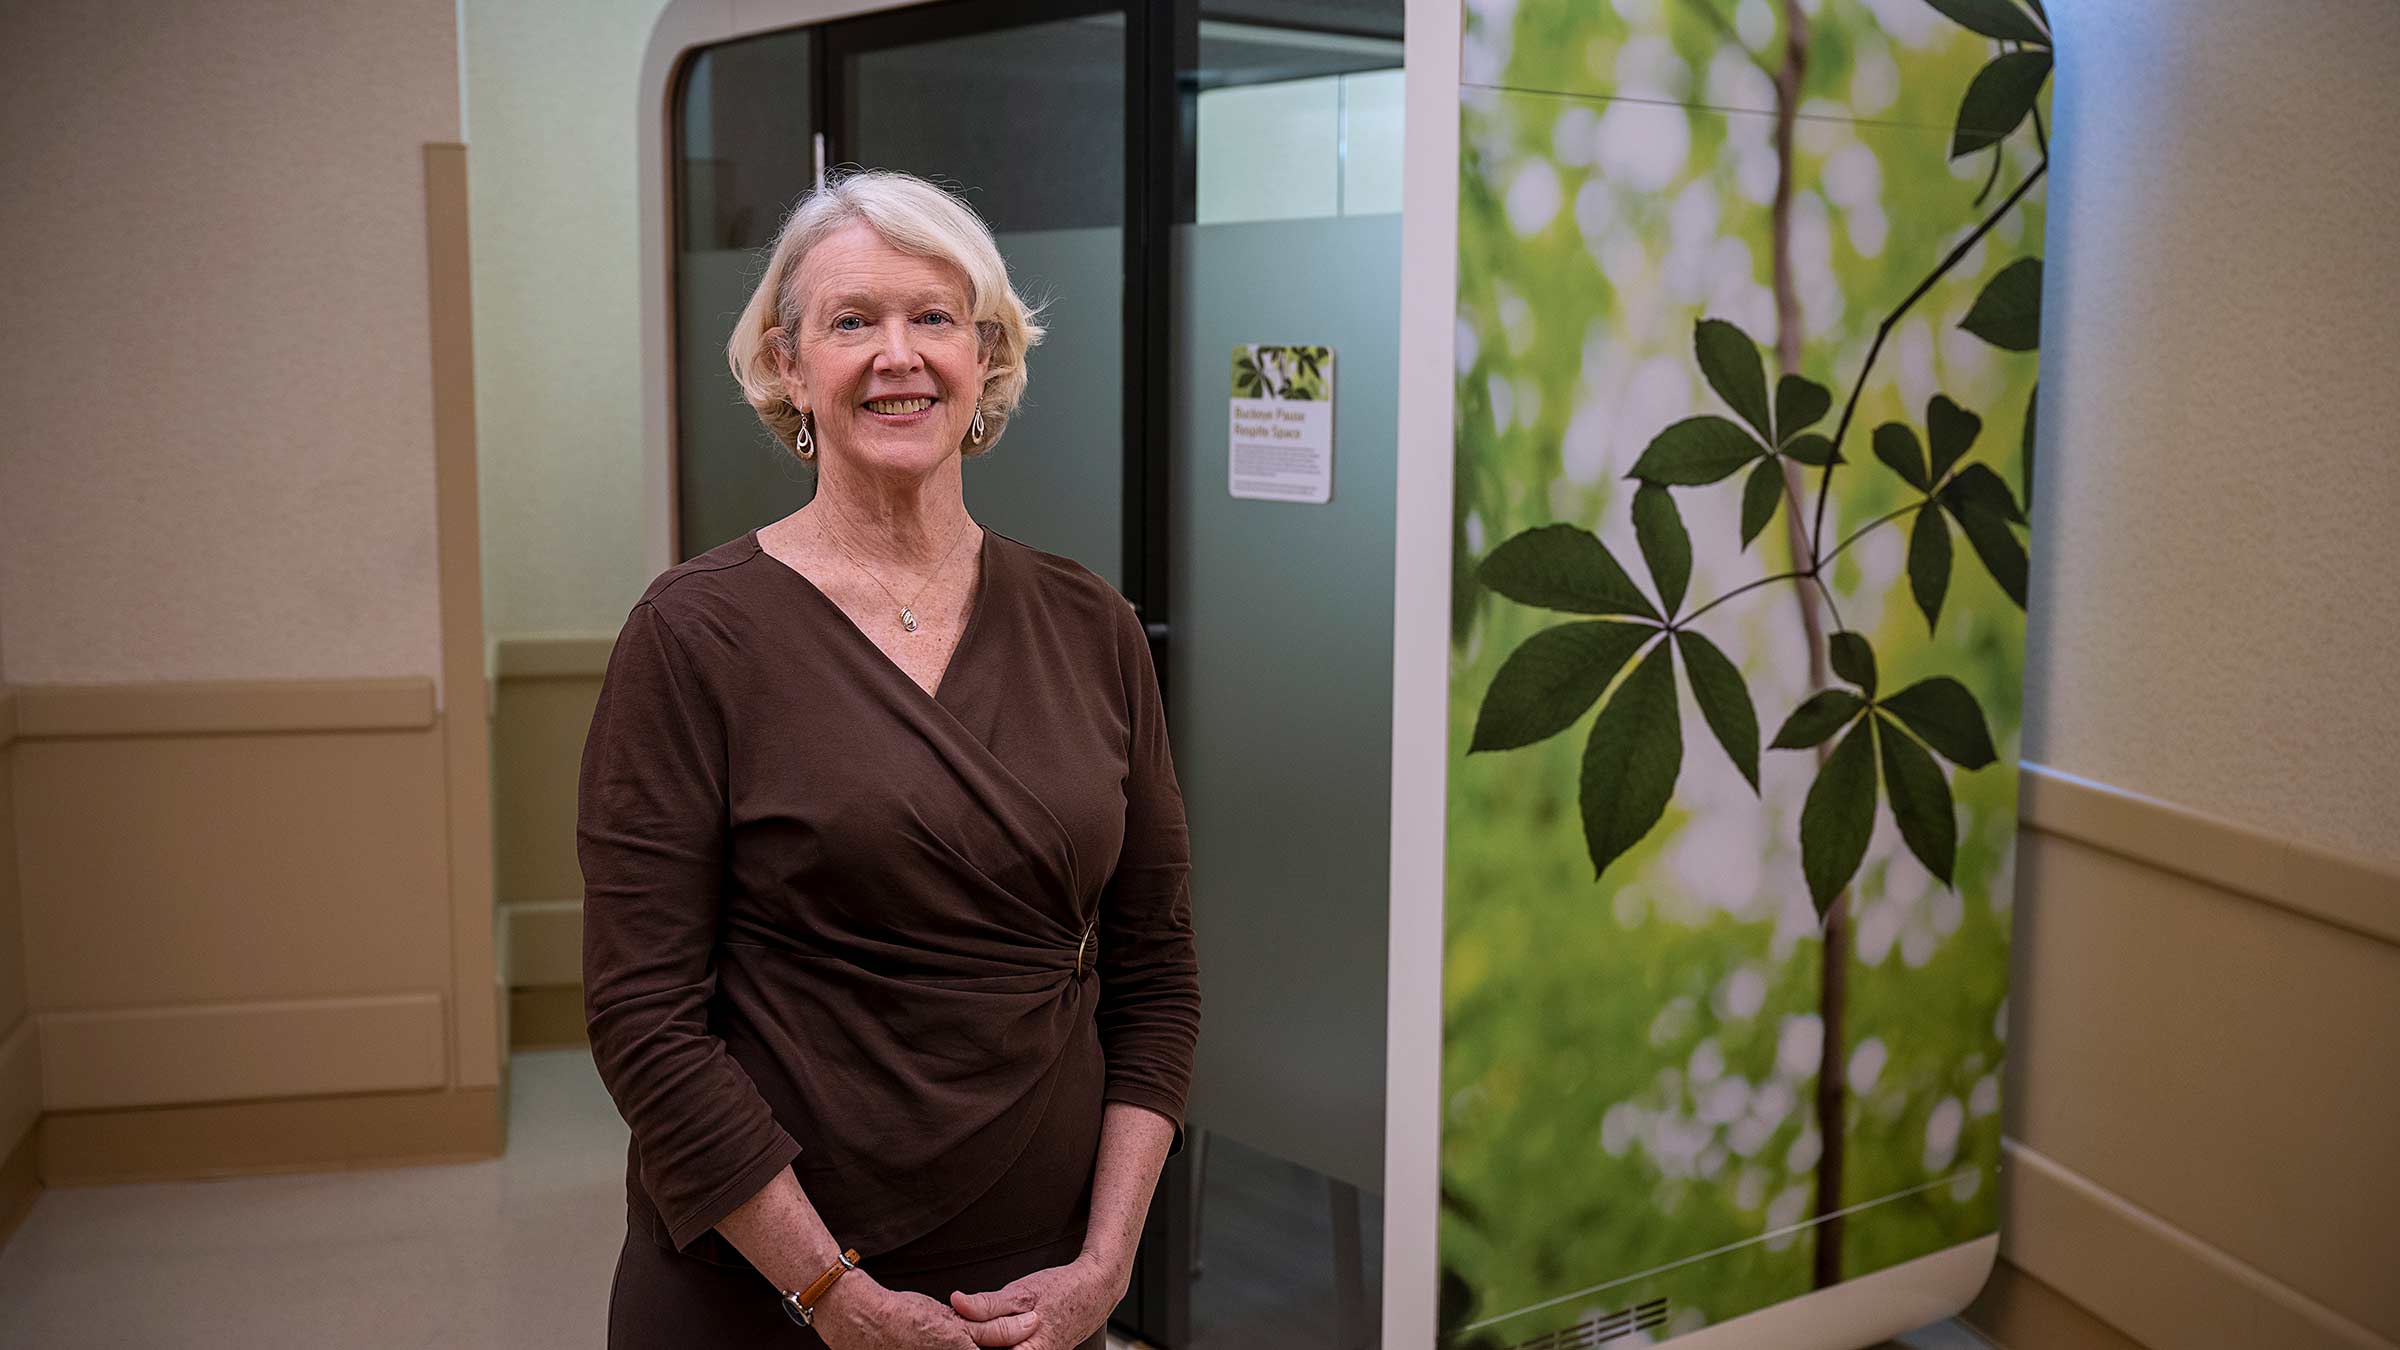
x,y
1800,403
1949,430
1826,712
1631,760
2009,312
1695,451
1566,568
1551,679
1978,488
1998,99
1945,716
1920,799
1994,19
1929,564
1666,545
1853,660
1897,446
1995,543
2032,396
1724,700
1730,361
1838,816
1810,449
1759,495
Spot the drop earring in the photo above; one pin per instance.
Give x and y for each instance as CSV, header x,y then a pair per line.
x,y
975,428
803,444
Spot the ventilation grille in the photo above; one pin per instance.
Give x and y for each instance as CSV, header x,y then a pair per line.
x,y
1601,1329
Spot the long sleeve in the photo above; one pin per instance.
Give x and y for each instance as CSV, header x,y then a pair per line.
x,y
1149,1008
650,833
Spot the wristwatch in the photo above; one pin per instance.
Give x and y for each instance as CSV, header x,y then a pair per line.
x,y
801,1304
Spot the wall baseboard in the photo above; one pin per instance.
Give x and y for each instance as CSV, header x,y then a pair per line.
x,y
549,1018
20,1184
2015,1311
2163,1285
130,1057
20,1080
310,1134
545,944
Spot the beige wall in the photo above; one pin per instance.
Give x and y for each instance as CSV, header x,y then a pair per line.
x,y
551,90
2212,618
2198,1121
216,462
245,909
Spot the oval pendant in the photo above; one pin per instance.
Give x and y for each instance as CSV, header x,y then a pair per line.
x,y
908,619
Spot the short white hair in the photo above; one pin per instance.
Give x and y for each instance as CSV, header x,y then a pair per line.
x,y
915,217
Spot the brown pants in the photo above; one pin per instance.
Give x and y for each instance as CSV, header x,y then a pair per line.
x,y
665,1300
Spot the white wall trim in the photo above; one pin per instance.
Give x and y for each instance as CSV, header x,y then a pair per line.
x,y
1420,671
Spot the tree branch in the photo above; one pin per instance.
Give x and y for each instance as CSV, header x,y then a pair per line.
x,y
1883,331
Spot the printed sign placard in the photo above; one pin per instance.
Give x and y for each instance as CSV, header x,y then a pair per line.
x,y
1282,441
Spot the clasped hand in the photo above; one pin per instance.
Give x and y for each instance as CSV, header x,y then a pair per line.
x,y
1055,1308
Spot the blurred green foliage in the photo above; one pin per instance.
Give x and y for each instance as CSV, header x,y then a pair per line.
x,y
1629,1067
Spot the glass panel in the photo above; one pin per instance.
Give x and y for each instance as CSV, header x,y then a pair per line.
x,y
743,133
1282,671
1280,677
1030,123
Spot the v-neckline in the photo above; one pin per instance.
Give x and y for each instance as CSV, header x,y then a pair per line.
x,y
975,608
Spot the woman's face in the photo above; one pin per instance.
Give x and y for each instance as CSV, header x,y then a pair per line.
x,y
887,361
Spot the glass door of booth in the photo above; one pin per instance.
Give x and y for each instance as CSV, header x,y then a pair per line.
x,y
1167,179
1020,106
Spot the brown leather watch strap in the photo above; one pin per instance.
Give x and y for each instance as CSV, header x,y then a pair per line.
x,y
819,1287
802,1304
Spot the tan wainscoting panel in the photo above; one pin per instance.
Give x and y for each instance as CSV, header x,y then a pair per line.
x,y
546,691
545,944
2201,1081
192,869
232,1052
309,1134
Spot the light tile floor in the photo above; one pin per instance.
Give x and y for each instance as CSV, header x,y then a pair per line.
x,y
515,1252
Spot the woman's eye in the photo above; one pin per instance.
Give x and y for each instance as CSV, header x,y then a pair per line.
x,y
937,317
849,323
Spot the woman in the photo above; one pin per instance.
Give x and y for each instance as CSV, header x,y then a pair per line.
x,y
887,943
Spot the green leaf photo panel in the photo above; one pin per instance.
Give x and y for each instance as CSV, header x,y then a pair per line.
x,y
1747,347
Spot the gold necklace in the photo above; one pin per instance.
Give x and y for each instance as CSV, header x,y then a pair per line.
x,y
908,612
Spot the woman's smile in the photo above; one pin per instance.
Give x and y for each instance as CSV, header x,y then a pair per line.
x,y
902,411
